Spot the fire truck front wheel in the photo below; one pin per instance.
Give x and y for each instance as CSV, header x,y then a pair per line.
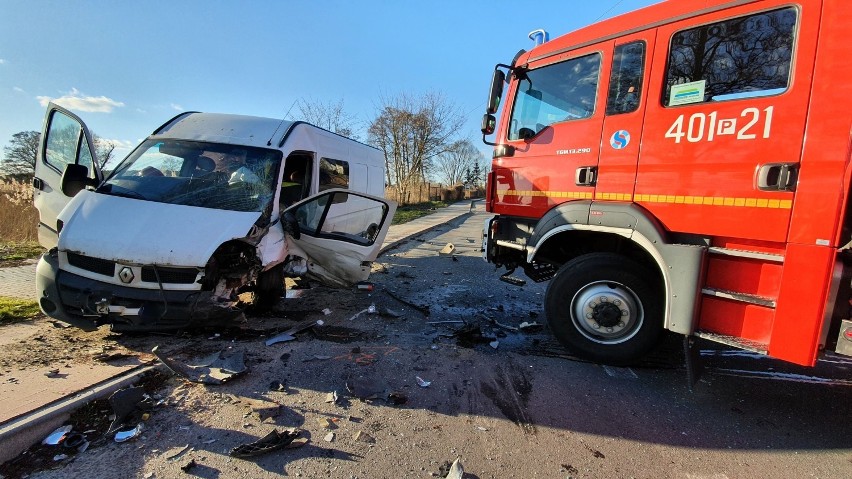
x,y
605,308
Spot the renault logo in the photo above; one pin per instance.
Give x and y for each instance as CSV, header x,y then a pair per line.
x,y
125,275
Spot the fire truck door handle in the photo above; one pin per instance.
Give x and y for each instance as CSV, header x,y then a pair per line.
x,y
777,177
586,176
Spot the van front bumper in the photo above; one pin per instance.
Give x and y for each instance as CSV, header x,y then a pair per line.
x,y
87,303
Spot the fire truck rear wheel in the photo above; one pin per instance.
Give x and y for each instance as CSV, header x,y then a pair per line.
x,y
605,307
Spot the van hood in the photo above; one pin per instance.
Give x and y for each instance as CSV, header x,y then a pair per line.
x,y
145,232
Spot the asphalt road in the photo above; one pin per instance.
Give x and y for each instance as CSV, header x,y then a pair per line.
x,y
509,404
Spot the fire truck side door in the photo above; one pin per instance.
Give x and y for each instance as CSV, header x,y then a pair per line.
x,y
626,97
725,120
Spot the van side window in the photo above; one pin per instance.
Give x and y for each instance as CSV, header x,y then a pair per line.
x,y
554,93
625,82
737,58
333,174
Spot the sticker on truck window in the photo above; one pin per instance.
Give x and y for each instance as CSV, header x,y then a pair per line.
x,y
692,92
751,124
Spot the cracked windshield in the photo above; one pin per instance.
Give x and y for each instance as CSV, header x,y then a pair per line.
x,y
208,175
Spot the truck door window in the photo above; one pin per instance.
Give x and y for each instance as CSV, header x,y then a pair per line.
x,y
554,93
625,82
736,58
333,174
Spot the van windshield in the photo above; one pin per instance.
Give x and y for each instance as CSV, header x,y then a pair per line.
x,y
192,173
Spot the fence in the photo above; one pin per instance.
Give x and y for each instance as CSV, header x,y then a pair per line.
x,y
424,192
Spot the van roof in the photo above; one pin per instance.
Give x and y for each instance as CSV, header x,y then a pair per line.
x,y
225,128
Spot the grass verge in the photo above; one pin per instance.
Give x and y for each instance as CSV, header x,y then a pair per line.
x,y
12,252
14,310
406,213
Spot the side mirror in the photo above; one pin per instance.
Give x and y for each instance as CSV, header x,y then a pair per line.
x,y
489,123
496,91
75,178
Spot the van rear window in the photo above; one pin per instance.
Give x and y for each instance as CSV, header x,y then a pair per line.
x,y
736,58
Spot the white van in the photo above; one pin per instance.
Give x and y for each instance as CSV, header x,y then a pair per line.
x,y
207,207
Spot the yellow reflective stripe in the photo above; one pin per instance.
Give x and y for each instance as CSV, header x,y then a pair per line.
x,y
671,199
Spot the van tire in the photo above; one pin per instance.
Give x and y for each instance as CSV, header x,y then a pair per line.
x,y
606,308
269,288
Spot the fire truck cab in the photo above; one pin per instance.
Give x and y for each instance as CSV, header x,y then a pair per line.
x,y
683,167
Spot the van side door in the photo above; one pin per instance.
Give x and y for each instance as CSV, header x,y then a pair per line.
x,y
65,140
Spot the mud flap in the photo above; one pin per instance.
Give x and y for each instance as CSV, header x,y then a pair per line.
x,y
692,358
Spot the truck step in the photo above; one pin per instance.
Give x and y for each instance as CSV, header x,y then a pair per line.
x,y
775,258
539,272
740,297
741,343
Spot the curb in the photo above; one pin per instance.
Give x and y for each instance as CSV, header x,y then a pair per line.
x,y
18,434
393,244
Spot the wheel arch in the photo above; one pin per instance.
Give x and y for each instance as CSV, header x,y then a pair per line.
x,y
575,228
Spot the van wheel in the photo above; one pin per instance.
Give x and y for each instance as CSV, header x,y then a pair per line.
x,y
605,308
269,288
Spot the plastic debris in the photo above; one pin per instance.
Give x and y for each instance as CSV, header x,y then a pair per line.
x,y
216,369
447,250
329,437
326,311
124,436
175,452
326,423
57,436
422,382
494,344
294,293
364,286
455,470
277,386
60,457
369,310
288,335
128,405
272,441
331,397
529,327
362,436
74,440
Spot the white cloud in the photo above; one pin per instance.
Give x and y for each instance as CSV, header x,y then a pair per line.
x,y
2,61
177,107
74,100
18,89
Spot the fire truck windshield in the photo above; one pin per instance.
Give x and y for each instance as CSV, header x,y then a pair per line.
x,y
554,93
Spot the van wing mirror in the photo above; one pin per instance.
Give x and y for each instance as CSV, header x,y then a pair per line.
x,y
496,91
75,178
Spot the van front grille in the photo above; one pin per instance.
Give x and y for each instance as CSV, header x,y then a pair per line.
x,y
169,275
95,265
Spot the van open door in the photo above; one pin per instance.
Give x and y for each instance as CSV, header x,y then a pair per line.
x,y
340,233
65,149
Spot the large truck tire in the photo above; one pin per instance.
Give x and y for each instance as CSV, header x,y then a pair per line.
x,y
605,308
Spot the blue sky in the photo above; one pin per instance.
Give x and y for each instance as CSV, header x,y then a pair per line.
x,y
127,66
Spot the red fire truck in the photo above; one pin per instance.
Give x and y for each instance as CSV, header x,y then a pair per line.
x,y
683,167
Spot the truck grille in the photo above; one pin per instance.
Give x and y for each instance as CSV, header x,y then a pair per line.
x,y
95,265
169,275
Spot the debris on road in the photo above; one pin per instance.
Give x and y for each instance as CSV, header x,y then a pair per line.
x,y
454,471
188,466
362,436
422,382
329,437
129,405
447,250
57,436
175,452
124,436
369,310
494,344
331,397
272,441
530,327
216,369
289,334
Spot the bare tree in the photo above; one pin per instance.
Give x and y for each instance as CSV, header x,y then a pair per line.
x,y
412,132
22,152
103,150
20,155
450,166
330,116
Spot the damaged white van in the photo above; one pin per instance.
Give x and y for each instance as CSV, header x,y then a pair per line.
x,y
209,206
